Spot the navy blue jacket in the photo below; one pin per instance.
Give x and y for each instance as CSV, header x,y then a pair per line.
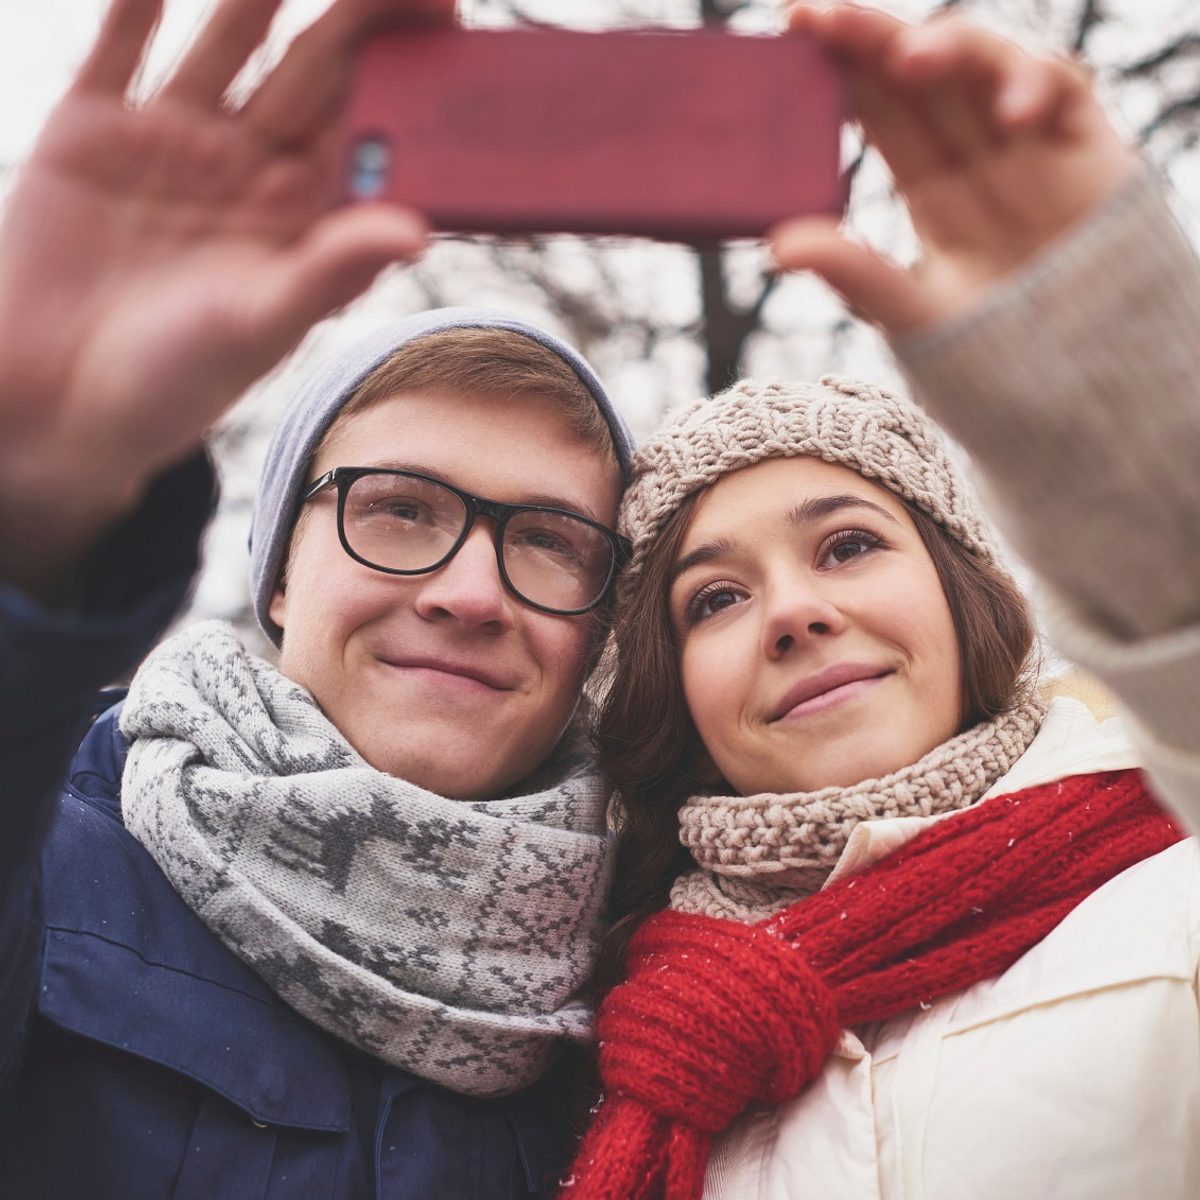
x,y
139,1058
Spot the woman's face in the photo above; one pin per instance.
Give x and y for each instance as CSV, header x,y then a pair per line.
x,y
816,645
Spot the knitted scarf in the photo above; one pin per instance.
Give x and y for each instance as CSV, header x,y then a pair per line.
x,y
716,1014
760,853
448,938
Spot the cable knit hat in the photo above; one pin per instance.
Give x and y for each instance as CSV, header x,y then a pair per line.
x,y
874,432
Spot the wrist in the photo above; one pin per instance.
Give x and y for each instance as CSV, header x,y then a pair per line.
x,y
53,510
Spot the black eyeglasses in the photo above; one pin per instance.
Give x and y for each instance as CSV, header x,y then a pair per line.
x,y
405,523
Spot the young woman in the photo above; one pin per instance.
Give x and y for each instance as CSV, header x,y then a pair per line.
x,y
924,932
924,936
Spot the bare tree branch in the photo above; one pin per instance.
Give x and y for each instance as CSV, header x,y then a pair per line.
x,y
725,329
718,12
1183,106
1184,44
1091,14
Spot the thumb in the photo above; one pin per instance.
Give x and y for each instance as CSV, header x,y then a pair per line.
x,y
872,286
334,263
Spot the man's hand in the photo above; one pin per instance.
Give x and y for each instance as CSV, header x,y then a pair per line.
x,y
156,259
995,152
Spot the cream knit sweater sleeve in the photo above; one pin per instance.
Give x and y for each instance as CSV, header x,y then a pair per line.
x,y
1076,389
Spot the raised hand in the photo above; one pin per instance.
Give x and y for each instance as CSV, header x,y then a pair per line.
x,y
156,259
996,153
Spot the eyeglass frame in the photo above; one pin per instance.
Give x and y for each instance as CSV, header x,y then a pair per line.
x,y
343,477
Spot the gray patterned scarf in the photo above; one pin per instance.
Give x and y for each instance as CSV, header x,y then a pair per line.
x,y
448,938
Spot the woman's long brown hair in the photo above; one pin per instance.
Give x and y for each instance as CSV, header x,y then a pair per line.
x,y
650,747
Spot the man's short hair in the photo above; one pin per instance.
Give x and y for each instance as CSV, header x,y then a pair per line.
x,y
494,362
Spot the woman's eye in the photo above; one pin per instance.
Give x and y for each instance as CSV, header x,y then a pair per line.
x,y
712,599
848,544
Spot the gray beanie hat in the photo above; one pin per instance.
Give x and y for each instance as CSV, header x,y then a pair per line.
x,y
318,402
879,435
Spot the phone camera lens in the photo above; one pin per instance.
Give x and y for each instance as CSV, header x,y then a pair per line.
x,y
369,166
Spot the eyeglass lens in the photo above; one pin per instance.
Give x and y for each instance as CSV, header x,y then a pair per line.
x,y
403,523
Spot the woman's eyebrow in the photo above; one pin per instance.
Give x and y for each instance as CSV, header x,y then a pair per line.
x,y
813,509
818,507
708,552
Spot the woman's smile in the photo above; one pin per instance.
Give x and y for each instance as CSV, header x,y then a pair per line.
x,y
828,689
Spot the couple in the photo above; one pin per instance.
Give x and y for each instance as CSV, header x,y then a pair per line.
x,y
326,930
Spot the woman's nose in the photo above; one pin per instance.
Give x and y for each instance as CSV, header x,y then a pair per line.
x,y
797,610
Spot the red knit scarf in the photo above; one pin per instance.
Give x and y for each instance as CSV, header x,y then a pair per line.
x,y
716,1015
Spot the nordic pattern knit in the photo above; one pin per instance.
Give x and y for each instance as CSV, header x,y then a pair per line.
x,y
861,426
716,1015
450,938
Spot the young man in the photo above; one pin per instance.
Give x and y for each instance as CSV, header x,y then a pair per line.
x,y
316,931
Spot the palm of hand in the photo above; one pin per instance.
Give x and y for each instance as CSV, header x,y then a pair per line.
x,y
981,215
156,259
147,236
995,152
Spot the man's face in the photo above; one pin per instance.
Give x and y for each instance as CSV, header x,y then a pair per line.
x,y
444,679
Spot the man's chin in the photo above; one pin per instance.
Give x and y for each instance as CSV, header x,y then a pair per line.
x,y
443,758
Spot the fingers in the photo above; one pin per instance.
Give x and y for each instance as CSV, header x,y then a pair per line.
x,y
871,286
213,61
941,93
309,82
855,34
892,121
1005,89
954,104
996,152
1043,94
126,31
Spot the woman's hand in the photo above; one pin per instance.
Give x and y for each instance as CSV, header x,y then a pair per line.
x,y
157,258
996,153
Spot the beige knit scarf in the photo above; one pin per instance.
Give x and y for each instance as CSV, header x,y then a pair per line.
x,y
757,854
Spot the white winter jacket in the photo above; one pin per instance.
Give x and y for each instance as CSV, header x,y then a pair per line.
x,y
1075,1075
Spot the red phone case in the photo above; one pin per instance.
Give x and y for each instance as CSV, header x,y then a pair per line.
x,y
696,135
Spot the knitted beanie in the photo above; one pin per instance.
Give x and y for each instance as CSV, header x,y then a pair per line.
x,y
866,428
326,392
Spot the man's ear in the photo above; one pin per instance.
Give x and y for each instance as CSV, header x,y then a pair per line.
x,y
278,607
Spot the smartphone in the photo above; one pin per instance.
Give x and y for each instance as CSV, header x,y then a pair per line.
x,y
694,135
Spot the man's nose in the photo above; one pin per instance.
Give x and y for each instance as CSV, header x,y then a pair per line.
x,y
469,588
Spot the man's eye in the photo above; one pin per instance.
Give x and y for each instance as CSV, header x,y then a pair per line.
x,y
400,508
410,512
548,543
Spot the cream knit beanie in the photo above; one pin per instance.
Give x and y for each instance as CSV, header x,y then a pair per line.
x,y
879,435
